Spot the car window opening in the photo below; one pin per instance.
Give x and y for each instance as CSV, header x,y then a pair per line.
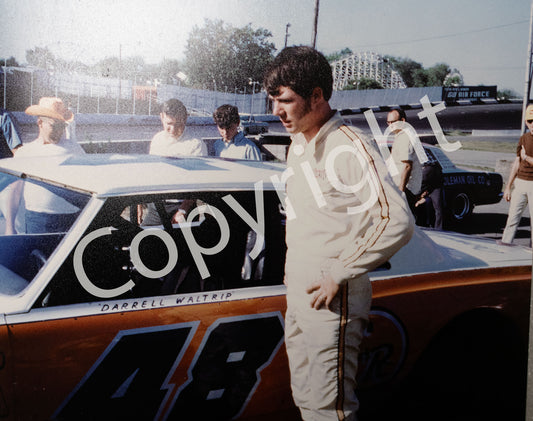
x,y
107,260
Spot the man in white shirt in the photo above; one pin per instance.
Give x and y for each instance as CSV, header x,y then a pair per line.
x,y
44,211
409,177
169,141
233,143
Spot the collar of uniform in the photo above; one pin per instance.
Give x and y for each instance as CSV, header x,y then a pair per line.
x,y
238,138
329,126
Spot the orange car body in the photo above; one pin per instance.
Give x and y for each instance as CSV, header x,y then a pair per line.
x,y
218,353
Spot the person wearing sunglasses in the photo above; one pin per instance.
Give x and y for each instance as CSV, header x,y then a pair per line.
x,y
41,209
521,177
409,177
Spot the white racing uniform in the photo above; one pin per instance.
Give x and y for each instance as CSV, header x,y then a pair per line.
x,y
349,218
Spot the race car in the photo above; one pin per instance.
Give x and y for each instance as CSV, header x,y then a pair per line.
x,y
464,189
120,311
251,126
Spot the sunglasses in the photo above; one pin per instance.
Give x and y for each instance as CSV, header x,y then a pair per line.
x,y
53,122
529,121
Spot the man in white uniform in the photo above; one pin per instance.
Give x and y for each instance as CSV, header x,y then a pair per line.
x,y
348,219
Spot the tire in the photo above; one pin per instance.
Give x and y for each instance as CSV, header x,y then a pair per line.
x,y
460,207
475,369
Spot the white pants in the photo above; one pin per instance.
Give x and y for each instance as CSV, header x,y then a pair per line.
x,y
521,195
323,348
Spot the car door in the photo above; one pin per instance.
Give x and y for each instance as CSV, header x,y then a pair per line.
x,y
108,338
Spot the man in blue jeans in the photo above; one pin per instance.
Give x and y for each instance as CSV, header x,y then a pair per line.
x,y
44,210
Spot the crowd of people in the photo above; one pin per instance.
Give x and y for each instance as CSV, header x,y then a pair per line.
x,y
332,245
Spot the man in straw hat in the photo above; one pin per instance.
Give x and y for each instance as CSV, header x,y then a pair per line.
x,y
44,211
52,119
522,177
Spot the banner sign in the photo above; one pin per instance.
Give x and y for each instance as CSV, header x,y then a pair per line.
x,y
456,93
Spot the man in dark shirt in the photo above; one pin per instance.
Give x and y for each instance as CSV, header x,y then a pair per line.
x,y
9,135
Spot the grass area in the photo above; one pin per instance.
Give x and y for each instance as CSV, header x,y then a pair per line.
x,y
503,145
488,145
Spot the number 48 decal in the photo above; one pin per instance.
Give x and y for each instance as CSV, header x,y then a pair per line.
x,y
131,378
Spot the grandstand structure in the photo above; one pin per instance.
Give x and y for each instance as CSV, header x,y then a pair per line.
x,y
365,65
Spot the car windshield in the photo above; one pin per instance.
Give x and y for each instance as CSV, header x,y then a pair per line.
x,y
34,218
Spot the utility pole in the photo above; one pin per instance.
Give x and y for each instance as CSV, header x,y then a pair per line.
x,y
315,25
287,33
5,83
119,77
529,68
529,391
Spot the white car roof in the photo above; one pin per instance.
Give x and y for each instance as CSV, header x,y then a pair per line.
x,y
113,174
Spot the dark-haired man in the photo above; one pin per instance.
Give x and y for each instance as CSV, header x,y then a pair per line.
x,y
345,219
233,143
169,141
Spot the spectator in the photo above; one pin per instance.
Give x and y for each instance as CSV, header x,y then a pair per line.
x,y
9,136
233,143
169,141
431,197
336,235
403,153
521,176
44,211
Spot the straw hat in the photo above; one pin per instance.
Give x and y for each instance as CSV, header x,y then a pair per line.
x,y
51,107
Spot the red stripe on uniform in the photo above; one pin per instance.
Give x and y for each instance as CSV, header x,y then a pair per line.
x,y
341,351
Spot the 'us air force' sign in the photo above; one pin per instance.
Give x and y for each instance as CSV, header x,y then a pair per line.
x,y
457,93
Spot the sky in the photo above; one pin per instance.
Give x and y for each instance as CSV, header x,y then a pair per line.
x,y
486,40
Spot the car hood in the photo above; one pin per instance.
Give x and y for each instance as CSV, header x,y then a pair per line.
x,y
437,251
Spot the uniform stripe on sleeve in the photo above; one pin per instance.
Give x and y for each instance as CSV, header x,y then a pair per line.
x,y
382,198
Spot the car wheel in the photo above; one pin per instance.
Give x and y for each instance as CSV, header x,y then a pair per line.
x,y
467,374
461,207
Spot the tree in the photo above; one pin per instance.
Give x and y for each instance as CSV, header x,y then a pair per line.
x,y
410,70
362,84
437,74
507,94
107,67
415,75
41,57
454,78
221,57
367,83
10,62
339,54
168,71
